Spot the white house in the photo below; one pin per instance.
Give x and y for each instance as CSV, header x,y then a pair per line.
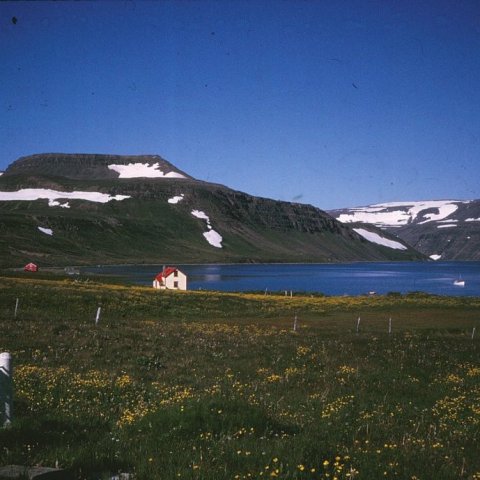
x,y
171,278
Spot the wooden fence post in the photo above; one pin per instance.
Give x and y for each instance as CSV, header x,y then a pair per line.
x,y
97,318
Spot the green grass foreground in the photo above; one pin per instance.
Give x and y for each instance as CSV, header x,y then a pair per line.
x,y
199,385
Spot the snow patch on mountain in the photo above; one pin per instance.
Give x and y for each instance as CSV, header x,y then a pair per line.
x,y
397,214
54,203
435,257
47,231
472,219
378,239
444,210
450,225
29,194
176,199
142,170
201,215
213,237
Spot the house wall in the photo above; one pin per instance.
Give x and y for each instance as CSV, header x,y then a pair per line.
x,y
178,282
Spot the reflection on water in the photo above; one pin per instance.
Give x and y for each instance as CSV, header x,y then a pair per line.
x,y
209,277
330,279
373,274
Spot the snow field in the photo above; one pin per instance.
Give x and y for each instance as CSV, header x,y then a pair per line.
x,y
388,215
378,239
142,170
212,237
29,194
47,231
176,198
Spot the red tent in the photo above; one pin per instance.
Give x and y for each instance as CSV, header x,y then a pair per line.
x,y
31,267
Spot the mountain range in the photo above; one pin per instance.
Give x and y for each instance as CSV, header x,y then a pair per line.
x,y
76,209
440,229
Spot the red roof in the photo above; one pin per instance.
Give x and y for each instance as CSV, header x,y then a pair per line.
x,y
30,267
166,272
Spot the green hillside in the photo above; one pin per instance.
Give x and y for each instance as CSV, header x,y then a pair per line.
x,y
146,228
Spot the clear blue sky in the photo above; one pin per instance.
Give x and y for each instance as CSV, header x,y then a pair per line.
x,y
333,103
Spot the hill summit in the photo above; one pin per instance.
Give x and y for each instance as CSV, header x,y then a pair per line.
x,y
84,166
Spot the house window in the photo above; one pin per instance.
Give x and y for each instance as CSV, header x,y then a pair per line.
x,y
175,273
175,284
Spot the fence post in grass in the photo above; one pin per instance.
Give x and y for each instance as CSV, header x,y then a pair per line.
x,y
97,318
5,389
473,332
16,307
389,325
358,324
295,323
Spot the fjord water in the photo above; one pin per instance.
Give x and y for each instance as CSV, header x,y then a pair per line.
x,y
330,279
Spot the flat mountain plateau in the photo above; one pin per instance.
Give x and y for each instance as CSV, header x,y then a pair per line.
x,y
440,229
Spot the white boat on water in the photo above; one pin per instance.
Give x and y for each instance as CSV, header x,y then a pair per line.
x,y
459,282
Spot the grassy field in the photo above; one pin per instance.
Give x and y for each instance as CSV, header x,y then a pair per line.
x,y
198,385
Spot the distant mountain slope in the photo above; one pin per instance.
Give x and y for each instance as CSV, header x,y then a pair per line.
x,y
441,229
68,209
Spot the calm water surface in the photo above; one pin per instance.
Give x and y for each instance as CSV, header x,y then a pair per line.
x,y
330,279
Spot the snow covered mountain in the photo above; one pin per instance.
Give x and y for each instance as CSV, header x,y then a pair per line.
x,y
399,214
441,229
86,208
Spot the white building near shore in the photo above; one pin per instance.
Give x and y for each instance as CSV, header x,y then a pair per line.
x,y
170,278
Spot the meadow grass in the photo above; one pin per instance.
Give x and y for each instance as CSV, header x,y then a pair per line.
x,y
206,385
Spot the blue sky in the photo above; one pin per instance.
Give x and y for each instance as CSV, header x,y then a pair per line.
x,y
333,103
